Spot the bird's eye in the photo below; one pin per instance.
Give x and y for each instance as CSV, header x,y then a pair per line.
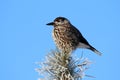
x,y
57,20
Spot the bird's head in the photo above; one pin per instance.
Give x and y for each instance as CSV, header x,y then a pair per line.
x,y
59,21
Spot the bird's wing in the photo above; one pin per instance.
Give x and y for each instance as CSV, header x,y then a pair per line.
x,y
79,36
83,40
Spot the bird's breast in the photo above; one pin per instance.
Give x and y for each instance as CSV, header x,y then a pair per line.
x,y
64,38
59,34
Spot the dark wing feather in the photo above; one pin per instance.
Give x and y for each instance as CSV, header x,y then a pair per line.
x,y
83,40
79,35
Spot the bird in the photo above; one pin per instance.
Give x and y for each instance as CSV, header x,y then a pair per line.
x,y
67,37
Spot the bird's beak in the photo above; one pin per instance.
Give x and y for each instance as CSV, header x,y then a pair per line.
x,y
51,23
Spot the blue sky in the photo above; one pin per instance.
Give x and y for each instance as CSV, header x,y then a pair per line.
x,y
25,39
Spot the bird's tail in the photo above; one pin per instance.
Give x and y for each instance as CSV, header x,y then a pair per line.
x,y
94,50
